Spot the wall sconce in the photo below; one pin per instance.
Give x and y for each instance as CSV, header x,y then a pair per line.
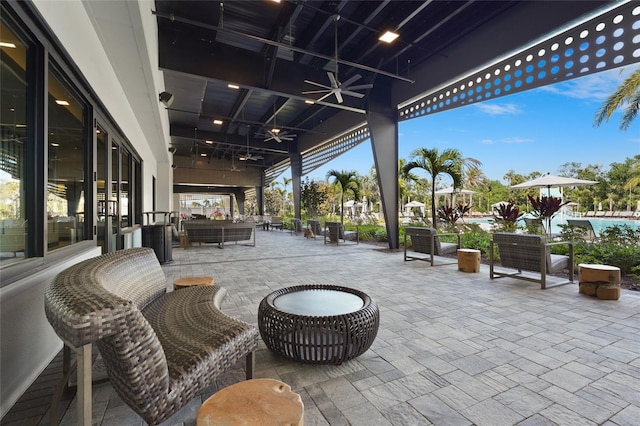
x,y
166,98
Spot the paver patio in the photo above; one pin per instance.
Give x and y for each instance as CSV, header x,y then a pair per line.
x,y
453,348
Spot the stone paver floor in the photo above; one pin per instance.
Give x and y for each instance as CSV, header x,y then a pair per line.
x,y
453,348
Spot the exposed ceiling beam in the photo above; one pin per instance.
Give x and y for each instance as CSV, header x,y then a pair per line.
x,y
282,45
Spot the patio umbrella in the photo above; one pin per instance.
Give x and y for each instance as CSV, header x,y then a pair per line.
x,y
548,181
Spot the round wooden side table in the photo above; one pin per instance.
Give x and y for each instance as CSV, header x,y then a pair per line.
x,y
192,281
255,402
468,260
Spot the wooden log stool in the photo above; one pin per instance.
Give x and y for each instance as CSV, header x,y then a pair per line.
x,y
601,281
256,402
468,260
192,281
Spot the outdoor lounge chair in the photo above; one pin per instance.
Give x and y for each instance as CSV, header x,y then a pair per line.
x,y
276,222
315,227
427,240
586,225
526,252
334,232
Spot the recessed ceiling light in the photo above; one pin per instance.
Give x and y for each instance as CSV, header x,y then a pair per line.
x,y
217,122
388,37
62,102
7,44
233,86
308,102
209,142
55,144
203,155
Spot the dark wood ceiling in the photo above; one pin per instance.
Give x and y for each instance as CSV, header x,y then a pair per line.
x,y
269,49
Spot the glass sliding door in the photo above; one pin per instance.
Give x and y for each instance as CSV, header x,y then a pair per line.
x,y
13,144
66,171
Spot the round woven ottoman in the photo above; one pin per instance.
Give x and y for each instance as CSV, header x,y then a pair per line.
x,y
321,324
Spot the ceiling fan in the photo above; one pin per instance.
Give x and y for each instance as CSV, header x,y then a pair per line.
x,y
337,88
248,155
276,133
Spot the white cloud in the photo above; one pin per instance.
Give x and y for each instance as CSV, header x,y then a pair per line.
x,y
487,141
498,109
595,87
516,140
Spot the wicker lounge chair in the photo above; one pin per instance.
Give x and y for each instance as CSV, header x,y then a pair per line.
x,y
334,232
276,222
586,225
156,359
526,252
427,240
315,227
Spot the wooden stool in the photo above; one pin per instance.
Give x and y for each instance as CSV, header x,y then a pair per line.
x,y
602,281
255,402
468,260
191,281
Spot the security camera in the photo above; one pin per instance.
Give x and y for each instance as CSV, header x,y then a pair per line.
x,y
166,98
172,149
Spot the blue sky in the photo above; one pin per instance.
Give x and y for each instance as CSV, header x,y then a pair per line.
x,y
537,130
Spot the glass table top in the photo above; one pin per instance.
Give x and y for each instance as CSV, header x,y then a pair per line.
x,y
318,302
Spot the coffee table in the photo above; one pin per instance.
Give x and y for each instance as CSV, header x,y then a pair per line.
x,y
321,324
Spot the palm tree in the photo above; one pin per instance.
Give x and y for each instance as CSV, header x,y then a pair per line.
x,y
285,181
627,96
347,181
449,162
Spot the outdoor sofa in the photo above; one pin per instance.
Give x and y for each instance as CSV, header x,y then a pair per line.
x,y
218,231
156,359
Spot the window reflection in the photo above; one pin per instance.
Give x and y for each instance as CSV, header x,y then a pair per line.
x,y
65,165
13,138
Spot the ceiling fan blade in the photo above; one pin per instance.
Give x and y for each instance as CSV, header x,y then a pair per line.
x,y
333,79
360,87
318,84
325,96
338,94
312,92
352,80
354,94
